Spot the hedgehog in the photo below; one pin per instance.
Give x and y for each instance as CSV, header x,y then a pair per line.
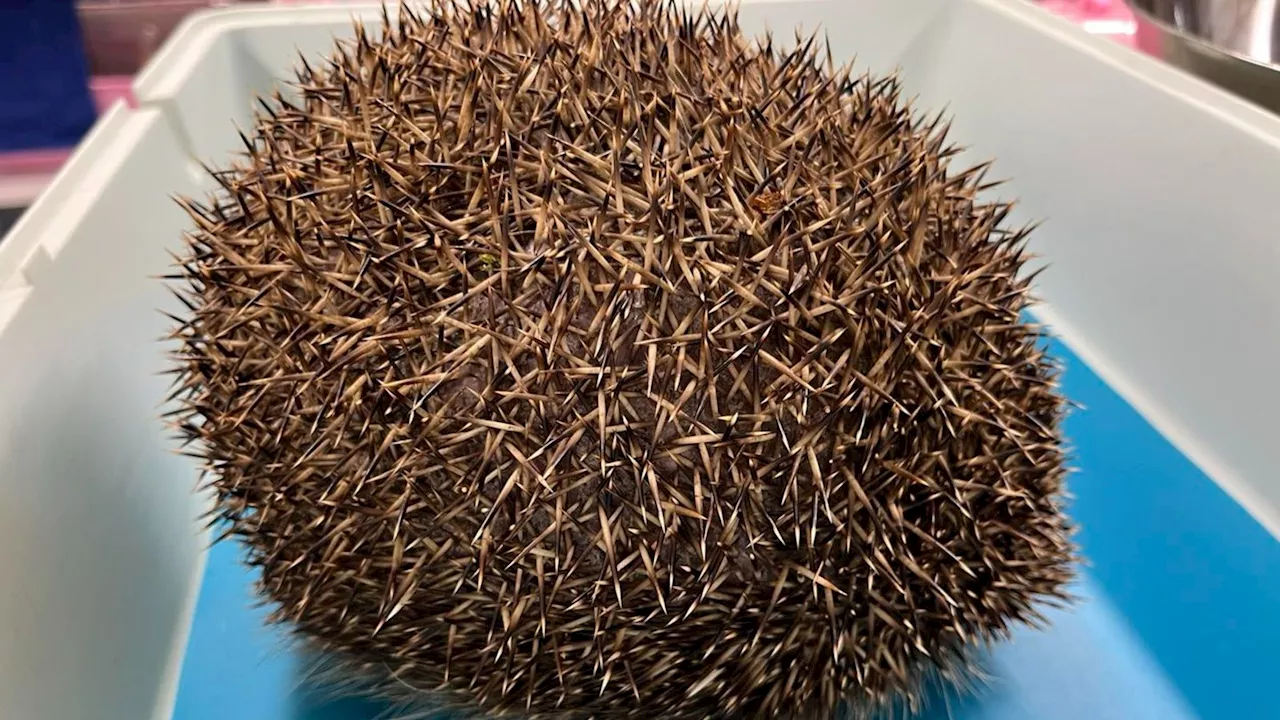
x,y
593,359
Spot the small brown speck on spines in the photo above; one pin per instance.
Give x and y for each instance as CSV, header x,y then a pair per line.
x,y
590,360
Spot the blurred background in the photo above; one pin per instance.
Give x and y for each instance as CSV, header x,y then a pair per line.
x,y
64,61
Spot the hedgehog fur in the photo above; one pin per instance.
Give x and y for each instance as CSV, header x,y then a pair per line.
x,y
589,360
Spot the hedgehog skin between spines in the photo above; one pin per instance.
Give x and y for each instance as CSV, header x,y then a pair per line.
x,y
597,361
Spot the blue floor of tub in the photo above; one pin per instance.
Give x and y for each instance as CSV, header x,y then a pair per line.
x,y
1178,621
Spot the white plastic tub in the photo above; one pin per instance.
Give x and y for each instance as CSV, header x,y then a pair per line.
x,y
1160,196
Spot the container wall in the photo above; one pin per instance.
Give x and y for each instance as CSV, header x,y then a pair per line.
x,y
1156,196
97,514
1158,221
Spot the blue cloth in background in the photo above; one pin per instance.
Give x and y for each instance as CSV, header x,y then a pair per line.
x,y
45,101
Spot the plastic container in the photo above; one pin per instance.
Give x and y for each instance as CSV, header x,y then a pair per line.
x,y
1158,193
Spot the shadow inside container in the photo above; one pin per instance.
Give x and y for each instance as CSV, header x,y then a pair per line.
x,y
948,703
313,704
953,705
314,700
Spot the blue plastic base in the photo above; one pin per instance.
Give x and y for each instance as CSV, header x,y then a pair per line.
x,y
1177,621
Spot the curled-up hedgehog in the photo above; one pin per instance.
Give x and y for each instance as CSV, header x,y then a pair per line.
x,y
593,360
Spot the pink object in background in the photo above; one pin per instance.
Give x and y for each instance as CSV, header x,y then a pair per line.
x,y
108,89
24,174
1110,18
121,35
